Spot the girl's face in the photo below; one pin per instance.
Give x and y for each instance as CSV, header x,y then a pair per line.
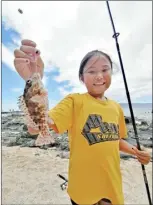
x,y
97,75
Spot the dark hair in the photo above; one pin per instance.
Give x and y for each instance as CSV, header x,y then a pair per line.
x,y
88,56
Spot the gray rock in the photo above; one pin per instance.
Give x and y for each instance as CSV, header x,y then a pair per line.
x,y
125,156
127,120
25,128
12,143
30,143
144,128
63,155
14,133
143,122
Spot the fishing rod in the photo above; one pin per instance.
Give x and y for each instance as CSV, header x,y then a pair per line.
x,y
115,36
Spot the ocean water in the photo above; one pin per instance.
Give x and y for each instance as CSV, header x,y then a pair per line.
x,y
140,110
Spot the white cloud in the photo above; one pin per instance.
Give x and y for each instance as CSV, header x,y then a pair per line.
x,y
66,31
63,92
52,103
7,57
45,80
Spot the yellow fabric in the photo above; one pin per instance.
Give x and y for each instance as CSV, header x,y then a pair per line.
x,y
95,128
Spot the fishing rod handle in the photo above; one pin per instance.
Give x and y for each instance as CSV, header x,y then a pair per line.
x,y
62,177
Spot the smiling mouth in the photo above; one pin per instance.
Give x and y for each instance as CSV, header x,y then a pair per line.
x,y
99,84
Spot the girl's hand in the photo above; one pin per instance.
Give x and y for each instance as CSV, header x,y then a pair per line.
x,y
143,156
27,59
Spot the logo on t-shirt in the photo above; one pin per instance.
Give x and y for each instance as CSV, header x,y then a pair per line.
x,y
95,130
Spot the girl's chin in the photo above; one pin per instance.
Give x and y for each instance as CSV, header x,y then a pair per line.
x,y
98,91
97,94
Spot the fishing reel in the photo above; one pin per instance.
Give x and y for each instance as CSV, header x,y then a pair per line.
x,y
64,184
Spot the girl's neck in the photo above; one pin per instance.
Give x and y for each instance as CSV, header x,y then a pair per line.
x,y
103,98
99,97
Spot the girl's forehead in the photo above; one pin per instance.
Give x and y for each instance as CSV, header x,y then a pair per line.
x,y
98,60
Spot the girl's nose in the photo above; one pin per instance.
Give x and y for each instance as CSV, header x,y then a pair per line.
x,y
99,75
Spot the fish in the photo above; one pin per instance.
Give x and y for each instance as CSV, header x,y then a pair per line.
x,y
34,105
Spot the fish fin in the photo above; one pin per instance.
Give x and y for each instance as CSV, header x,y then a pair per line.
x,y
24,109
44,140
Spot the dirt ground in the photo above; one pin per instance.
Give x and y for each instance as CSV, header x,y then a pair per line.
x,y
29,176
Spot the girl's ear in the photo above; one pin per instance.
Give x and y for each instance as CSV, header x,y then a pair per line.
x,y
82,79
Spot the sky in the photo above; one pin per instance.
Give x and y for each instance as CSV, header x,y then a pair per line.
x,y
65,32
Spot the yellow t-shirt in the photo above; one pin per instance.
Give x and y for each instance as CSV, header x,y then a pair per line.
x,y
94,128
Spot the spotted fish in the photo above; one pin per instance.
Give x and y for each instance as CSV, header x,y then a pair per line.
x,y
34,104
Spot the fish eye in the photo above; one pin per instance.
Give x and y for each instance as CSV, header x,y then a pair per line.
x,y
28,82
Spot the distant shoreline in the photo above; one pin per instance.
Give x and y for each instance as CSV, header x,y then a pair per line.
x,y
141,103
8,112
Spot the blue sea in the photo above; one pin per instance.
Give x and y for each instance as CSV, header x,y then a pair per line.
x,y
140,110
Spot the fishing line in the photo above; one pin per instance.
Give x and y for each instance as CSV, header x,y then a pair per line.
x,y
34,56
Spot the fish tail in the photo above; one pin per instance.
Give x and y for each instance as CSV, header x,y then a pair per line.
x,y
44,139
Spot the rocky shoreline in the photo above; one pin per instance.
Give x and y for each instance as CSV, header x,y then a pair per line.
x,y
14,133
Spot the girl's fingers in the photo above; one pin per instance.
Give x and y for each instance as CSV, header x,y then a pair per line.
x,y
29,50
20,54
27,59
28,42
142,154
142,158
18,61
143,161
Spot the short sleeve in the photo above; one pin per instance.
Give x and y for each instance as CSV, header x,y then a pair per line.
x,y
62,114
122,125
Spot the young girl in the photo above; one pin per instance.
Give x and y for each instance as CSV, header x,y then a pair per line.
x,y
96,129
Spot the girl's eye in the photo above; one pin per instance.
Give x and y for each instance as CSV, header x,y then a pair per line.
x,y
92,72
